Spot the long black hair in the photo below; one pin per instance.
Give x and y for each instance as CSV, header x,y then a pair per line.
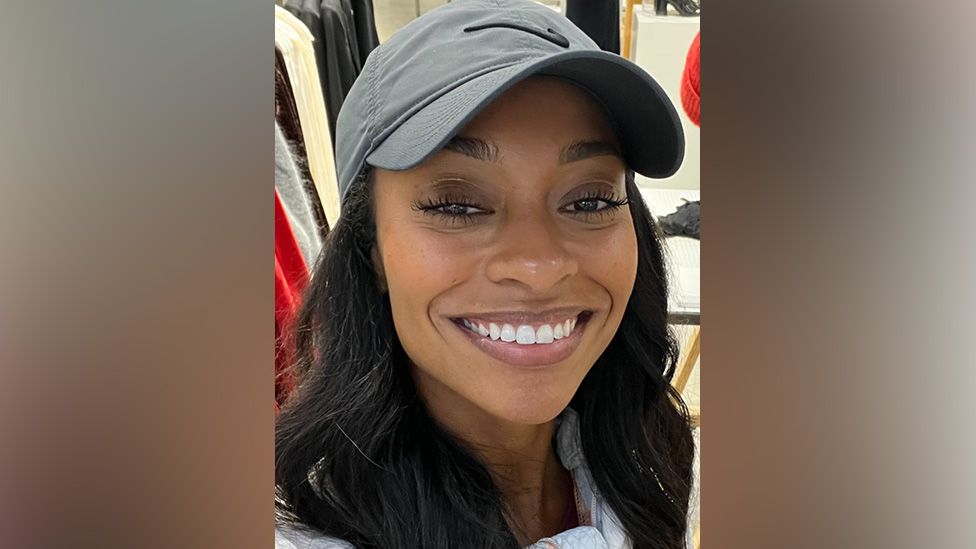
x,y
358,457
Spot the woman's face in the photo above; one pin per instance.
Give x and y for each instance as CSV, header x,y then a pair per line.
x,y
509,255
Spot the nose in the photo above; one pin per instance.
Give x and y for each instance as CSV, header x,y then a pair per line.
x,y
531,254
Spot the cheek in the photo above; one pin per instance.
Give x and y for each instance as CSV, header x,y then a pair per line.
x,y
612,263
419,267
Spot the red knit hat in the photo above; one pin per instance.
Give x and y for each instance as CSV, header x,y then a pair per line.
x,y
691,82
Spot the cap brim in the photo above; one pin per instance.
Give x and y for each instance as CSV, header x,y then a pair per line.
x,y
644,118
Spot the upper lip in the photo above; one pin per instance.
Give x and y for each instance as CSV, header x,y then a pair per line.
x,y
548,316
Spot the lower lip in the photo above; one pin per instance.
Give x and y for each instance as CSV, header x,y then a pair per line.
x,y
517,354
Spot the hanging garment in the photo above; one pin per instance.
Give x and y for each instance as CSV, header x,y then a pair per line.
x,y
296,201
691,82
344,10
331,42
362,12
599,19
294,41
288,122
291,277
286,111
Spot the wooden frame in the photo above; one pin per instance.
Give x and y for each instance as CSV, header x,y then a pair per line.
x,y
687,361
628,26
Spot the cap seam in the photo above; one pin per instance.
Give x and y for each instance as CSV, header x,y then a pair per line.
x,y
371,116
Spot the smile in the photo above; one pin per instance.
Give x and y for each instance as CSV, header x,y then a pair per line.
x,y
523,334
523,341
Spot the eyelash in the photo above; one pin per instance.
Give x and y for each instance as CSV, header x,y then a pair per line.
x,y
613,204
435,207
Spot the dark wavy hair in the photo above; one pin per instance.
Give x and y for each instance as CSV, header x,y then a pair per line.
x,y
358,456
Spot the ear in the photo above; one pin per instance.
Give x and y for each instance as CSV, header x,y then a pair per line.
x,y
374,254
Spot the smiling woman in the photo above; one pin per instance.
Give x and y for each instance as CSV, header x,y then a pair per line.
x,y
486,256
484,347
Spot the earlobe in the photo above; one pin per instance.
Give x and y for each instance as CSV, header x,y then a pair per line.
x,y
378,268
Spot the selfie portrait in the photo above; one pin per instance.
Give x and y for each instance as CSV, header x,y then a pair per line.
x,y
487,265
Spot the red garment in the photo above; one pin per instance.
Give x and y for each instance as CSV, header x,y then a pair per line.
x,y
691,82
291,277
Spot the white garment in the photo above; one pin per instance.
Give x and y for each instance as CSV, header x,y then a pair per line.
x,y
605,532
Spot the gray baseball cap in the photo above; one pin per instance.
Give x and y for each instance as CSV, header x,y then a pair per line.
x,y
433,76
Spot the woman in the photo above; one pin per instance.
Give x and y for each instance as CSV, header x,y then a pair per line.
x,y
484,351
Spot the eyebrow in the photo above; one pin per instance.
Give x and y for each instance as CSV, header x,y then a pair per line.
x,y
473,147
587,149
486,151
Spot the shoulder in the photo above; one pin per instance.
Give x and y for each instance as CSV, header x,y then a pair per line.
x,y
291,537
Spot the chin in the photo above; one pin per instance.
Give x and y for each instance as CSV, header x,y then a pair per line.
x,y
531,407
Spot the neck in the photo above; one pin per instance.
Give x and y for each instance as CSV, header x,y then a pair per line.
x,y
521,459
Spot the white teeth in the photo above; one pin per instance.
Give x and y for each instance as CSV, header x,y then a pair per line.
x,y
525,335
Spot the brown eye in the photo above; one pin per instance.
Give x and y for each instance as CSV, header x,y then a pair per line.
x,y
588,205
457,209
594,205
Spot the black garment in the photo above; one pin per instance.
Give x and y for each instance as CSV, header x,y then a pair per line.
x,y
362,12
344,29
599,19
686,221
343,9
333,43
